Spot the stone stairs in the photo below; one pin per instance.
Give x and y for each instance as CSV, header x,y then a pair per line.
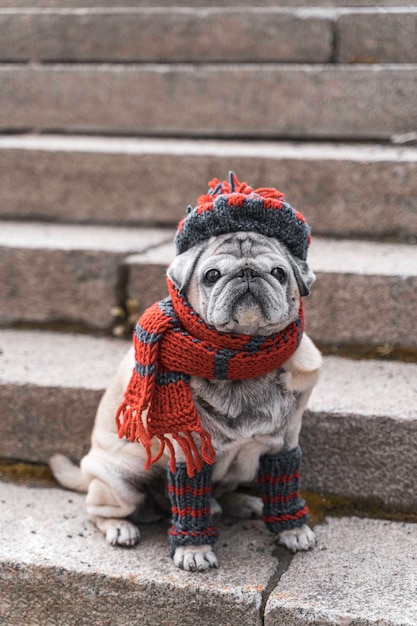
x,y
112,120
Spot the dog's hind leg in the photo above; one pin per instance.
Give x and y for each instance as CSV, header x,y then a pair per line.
x,y
68,474
242,505
109,513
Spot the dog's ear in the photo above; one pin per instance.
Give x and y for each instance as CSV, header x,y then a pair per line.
x,y
304,275
182,267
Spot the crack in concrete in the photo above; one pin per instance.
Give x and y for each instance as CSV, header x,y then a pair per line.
x,y
335,35
123,281
284,561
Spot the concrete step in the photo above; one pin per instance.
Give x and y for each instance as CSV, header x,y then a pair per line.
x,y
195,34
51,384
341,582
376,36
189,35
56,565
150,181
75,274
66,273
338,101
13,4
359,434
364,293
49,546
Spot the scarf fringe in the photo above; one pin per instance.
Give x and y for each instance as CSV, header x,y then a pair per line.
x,y
130,424
132,428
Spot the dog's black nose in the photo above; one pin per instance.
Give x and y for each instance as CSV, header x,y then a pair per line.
x,y
247,273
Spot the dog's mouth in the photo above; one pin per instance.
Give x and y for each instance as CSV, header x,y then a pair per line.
x,y
248,310
250,313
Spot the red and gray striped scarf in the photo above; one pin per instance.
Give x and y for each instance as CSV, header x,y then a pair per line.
x,y
172,343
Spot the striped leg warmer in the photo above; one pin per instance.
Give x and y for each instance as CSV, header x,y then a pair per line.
x,y
279,481
192,522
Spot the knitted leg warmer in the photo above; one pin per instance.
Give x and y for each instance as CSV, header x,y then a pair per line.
x,y
192,522
279,481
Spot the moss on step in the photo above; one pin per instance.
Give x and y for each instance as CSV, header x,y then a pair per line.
x,y
333,505
358,351
27,474
321,506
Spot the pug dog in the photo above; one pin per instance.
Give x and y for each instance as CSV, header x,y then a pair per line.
x,y
215,387
241,282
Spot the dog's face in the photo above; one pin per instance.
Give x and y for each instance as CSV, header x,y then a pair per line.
x,y
242,282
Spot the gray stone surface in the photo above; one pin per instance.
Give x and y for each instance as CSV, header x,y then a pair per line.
x,y
365,293
344,190
38,421
64,360
164,35
368,310
359,434
39,236
363,572
367,388
156,289
379,36
239,3
64,273
57,568
51,385
58,286
337,101
148,269
260,34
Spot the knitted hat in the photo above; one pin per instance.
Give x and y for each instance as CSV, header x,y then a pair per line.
x,y
231,206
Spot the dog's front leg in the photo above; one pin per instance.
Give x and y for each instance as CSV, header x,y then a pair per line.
x,y
285,512
193,532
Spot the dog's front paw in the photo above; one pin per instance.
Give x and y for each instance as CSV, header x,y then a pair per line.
x,y
195,558
302,538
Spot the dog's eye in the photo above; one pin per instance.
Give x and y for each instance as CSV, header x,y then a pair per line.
x,y
212,276
280,274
